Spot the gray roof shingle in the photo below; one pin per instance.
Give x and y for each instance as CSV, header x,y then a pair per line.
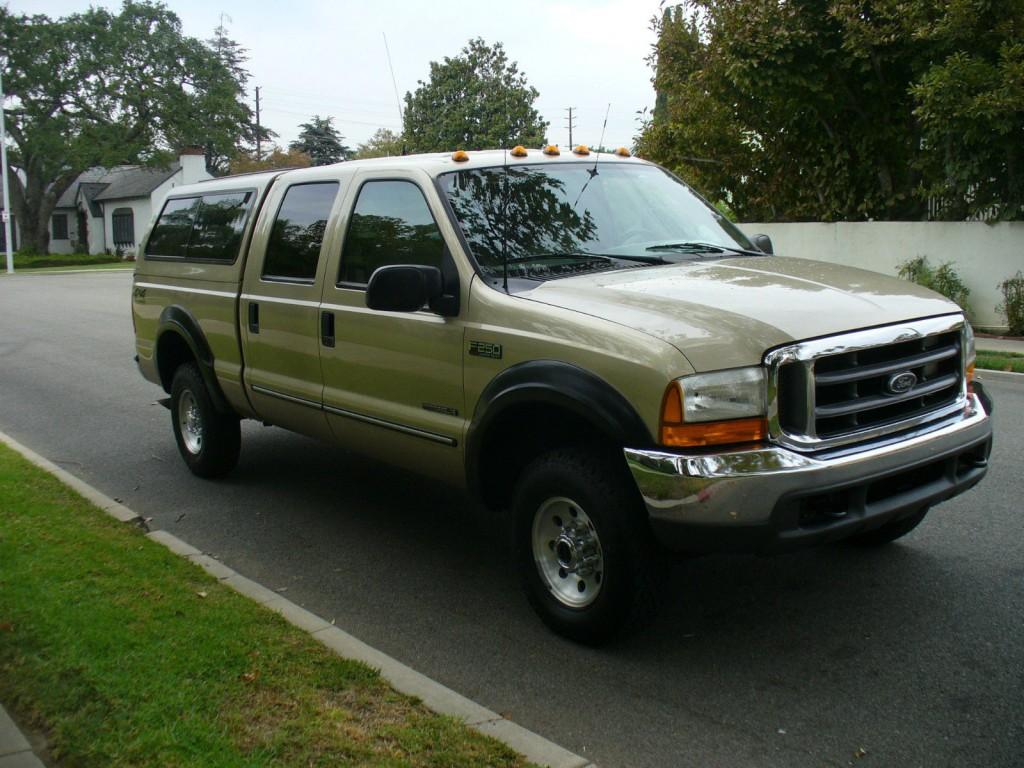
x,y
117,183
134,181
67,200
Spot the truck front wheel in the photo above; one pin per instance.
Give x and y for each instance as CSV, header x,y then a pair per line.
x,y
208,441
587,560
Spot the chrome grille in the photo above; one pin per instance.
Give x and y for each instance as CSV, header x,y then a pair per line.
x,y
854,387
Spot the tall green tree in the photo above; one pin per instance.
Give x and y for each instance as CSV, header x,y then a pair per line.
x,y
321,141
383,143
234,56
105,88
843,109
476,100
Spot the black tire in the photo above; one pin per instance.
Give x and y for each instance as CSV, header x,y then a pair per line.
x,y
626,592
208,441
884,534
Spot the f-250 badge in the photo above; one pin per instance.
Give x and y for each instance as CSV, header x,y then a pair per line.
x,y
485,349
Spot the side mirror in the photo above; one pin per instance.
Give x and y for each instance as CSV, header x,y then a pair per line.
x,y
763,243
403,287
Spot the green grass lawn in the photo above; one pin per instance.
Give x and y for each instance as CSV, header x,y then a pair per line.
x,y
59,260
124,654
1000,361
115,265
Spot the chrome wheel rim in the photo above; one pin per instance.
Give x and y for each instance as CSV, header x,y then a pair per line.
x,y
567,552
190,423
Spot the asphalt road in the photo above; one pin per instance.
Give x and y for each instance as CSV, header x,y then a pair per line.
x,y
913,653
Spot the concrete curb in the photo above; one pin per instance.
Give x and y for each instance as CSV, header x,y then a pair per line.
x,y
982,373
402,678
47,271
15,751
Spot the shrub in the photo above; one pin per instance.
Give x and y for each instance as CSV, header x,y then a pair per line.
x,y
1013,303
944,280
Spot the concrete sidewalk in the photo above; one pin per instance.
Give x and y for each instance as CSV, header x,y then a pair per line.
x,y
997,344
15,751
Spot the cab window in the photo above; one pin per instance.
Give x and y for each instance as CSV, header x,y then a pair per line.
x,y
293,249
217,232
172,231
391,224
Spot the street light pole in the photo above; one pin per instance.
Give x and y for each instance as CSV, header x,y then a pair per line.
x,y
6,184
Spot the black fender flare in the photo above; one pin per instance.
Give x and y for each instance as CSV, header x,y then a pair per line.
x,y
557,383
179,321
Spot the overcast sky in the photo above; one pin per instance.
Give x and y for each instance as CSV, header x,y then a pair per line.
x,y
328,58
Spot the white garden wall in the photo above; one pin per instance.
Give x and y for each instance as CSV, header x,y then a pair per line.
x,y
983,254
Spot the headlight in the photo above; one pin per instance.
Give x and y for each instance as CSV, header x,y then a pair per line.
x,y
969,354
715,408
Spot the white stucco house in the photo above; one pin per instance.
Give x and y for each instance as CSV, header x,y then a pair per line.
x,y
108,209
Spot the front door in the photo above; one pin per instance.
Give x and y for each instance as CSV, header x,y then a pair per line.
x,y
393,380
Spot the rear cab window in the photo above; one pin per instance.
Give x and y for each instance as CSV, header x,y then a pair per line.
x,y
201,227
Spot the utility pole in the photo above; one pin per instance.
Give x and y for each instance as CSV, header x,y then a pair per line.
x,y
6,183
570,124
259,130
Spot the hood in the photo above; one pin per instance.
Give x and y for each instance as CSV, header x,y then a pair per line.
x,y
727,313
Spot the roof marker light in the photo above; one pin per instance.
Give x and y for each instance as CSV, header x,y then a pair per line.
x,y
623,152
552,149
582,149
518,151
460,156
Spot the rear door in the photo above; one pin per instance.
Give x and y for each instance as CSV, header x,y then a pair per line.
x,y
279,306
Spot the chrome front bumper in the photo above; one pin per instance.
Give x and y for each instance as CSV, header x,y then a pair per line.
x,y
774,498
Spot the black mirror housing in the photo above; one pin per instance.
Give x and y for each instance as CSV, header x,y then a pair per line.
x,y
763,243
404,287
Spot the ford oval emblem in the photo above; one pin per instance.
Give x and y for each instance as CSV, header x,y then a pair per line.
x,y
900,383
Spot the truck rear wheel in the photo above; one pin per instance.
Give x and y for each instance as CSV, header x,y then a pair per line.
x,y
588,563
208,441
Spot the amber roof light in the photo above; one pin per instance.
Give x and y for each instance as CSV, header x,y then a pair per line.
x,y
582,149
518,151
551,149
460,155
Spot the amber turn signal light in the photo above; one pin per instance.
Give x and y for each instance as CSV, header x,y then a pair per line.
x,y
677,434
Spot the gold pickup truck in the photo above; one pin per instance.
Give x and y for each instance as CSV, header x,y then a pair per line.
x,y
577,340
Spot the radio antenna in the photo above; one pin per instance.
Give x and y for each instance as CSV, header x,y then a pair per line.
x,y
394,84
597,157
504,202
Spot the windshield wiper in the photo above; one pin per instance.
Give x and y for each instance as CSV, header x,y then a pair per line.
x,y
703,248
555,255
642,259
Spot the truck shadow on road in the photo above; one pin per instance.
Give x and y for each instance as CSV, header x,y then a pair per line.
x,y
387,541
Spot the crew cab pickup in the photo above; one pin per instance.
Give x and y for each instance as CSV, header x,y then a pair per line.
x,y
577,340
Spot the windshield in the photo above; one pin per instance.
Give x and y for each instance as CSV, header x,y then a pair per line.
x,y
566,218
